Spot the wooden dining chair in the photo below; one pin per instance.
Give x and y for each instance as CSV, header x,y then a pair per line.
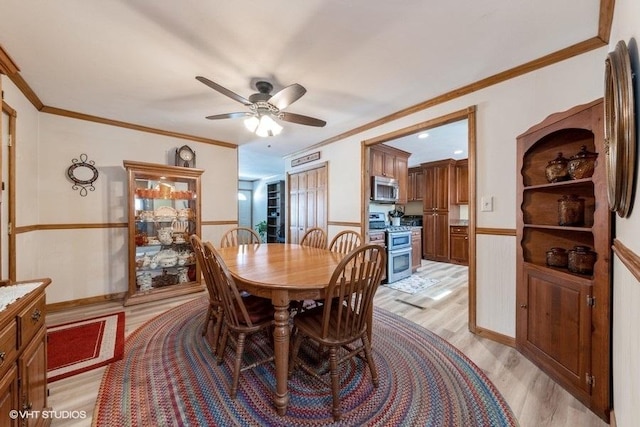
x,y
345,241
243,316
215,312
341,323
314,237
239,236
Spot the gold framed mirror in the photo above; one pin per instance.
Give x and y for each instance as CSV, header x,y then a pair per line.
x,y
619,129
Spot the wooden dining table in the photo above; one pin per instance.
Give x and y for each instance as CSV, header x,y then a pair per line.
x,y
283,273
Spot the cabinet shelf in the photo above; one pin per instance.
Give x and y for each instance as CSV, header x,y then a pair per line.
x,y
558,227
561,184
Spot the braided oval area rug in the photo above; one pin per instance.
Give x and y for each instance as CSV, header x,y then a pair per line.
x,y
168,377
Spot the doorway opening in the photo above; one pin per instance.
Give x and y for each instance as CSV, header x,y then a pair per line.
x,y
468,115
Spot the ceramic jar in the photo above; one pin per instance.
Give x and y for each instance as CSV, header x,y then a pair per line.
x,y
557,257
556,169
570,210
183,275
582,164
144,281
581,260
165,235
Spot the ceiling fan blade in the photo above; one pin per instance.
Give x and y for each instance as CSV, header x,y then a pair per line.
x,y
287,96
302,120
229,116
224,90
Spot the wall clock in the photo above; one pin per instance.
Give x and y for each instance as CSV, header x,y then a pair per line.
x,y
619,129
185,157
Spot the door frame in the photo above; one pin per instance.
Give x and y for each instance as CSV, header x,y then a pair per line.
x,y
469,114
10,163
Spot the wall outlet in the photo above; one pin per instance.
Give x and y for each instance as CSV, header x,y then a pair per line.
x,y
486,203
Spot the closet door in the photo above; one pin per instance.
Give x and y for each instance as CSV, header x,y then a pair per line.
x,y
307,201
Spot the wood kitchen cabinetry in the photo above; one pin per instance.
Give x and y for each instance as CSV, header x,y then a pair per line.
x,y
23,358
415,185
563,319
391,163
416,248
164,210
436,206
459,244
462,182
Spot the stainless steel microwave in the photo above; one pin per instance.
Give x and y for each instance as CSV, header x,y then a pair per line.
x,y
384,190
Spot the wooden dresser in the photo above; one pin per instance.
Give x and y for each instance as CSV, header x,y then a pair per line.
x,y
23,356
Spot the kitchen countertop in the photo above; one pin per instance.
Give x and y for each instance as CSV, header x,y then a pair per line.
x,y
459,223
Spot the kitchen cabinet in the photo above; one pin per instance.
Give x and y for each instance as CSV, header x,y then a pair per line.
x,y
23,365
416,248
436,236
459,244
462,182
415,185
563,319
163,212
275,212
436,204
392,163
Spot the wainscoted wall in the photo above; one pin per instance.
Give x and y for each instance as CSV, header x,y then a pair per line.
x,y
496,283
626,345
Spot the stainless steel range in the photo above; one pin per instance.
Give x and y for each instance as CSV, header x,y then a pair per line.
x,y
398,245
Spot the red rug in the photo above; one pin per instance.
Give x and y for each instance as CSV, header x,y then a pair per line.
x,y
87,344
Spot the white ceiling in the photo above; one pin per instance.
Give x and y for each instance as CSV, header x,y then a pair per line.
x,y
360,60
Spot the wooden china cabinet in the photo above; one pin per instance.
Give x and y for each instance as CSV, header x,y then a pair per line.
x,y
563,318
164,210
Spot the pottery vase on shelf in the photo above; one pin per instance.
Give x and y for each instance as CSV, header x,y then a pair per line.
x,y
570,210
581,260
557,169
583,164
557,257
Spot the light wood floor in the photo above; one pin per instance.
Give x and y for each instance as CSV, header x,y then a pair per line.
x,y
534,398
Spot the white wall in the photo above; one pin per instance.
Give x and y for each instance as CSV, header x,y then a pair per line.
x,y
91,262
626,288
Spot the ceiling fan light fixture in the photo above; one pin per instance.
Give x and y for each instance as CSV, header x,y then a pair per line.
x,y
263,126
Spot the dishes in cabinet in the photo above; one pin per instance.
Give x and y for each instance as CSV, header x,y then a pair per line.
x,y
165,235
146,215
165,213
166,258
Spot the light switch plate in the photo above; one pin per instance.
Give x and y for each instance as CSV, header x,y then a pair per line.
x,y
486,203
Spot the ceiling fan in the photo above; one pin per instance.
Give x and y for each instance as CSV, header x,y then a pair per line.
x,y
264,107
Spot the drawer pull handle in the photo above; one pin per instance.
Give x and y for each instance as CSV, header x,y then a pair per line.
x,y
2,356
35,316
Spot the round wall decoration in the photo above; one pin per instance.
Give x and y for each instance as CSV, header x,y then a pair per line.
x,y
83,173
619,129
